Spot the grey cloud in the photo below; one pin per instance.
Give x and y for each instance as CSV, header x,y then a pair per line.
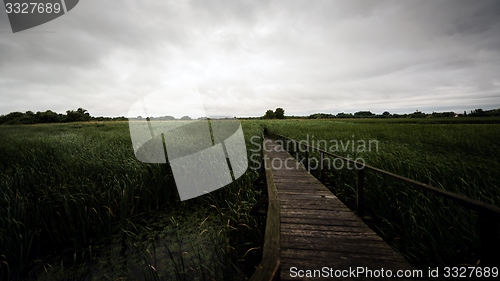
x,y
249,56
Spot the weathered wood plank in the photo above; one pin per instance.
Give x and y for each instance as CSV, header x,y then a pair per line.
x,y
313,207
312,192
318,213
332,236
310,199
327,221
393,261
340,245
333,228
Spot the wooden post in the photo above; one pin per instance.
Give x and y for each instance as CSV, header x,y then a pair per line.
x,y
360,191
295,150
489,234
307,159
322,158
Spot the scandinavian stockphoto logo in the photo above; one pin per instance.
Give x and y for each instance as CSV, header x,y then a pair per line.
x,y
25,14
171,126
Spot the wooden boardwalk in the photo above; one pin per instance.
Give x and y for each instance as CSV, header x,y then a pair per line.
x,y
318,232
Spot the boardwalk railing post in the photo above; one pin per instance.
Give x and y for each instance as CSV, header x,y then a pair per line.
x,y
307,159
296,150
360,191
489,234
321,159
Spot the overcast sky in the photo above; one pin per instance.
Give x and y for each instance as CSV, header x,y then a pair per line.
x,y
245,57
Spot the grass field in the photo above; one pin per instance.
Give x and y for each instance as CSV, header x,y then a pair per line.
x,y
73,197
450,153
65,187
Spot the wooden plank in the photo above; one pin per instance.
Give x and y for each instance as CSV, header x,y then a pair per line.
x,y
318,213
340,215
309,200
334,228
300,190
286,205
333,236
290,195
300,185
356,258
339,245
327,221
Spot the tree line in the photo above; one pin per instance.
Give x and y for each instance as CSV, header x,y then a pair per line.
x,y
279,113
82,115
49,116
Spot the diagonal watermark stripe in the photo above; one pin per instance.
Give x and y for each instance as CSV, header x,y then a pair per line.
x,y
170,126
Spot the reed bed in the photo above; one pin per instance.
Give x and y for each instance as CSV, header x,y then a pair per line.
x,y
428,230
65,186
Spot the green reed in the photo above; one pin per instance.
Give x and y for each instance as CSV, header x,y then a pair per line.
x,y
63,186
428,230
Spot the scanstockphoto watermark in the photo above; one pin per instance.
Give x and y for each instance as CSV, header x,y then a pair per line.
x,y
351,146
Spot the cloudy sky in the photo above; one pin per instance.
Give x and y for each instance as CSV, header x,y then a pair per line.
x,y
244,57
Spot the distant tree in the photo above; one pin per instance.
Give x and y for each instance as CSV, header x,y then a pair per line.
x,y
344,115
186,118
279,113
443,114
363,114
12,118
493,112
27,118
269,114
386,114
395,115
417,114
14,115
48,116
477,112
321,116
79,115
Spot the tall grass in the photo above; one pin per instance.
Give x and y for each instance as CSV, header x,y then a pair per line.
x,y
461,158
63,186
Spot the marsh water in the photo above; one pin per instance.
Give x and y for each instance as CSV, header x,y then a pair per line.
x,y
182,242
